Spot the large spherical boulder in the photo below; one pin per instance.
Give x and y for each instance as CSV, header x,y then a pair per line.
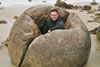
x,y
64,5
60,48
61,4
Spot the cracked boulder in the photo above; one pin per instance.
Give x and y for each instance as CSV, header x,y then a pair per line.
x,y
60,48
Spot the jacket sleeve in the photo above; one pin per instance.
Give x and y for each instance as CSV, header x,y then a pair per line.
x,y
59,25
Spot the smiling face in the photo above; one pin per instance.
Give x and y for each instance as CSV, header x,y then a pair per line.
x,y
54,15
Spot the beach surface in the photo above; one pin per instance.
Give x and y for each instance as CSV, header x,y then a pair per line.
x,y
8,12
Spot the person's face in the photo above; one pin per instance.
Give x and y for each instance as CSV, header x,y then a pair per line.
x,y
54,15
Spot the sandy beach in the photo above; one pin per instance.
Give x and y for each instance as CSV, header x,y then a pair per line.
x,y
8,12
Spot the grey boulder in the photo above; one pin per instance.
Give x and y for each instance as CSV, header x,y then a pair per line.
x,y
60,48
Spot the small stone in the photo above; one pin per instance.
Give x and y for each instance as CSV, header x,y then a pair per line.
x,y
90,11
3,22
15,17
94,3
90,20
86,7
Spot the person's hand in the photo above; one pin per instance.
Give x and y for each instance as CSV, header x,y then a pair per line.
x,y
49,31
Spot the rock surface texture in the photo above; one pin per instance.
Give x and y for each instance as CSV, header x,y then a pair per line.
x,y
60,48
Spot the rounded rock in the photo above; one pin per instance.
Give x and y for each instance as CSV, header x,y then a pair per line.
x,y
60,48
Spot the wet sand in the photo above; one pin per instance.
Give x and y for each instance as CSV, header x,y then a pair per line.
x,y
93,61
7,14
4,31
4,58
94,58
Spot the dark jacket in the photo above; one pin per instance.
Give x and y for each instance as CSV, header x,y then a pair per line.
x,y
54,25
48,24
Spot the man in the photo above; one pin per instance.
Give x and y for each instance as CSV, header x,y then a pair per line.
x,y
55,21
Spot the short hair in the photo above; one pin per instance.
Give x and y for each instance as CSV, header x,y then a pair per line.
x,y
54,10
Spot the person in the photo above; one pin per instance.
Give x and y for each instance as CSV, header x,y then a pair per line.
x,y
55,21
